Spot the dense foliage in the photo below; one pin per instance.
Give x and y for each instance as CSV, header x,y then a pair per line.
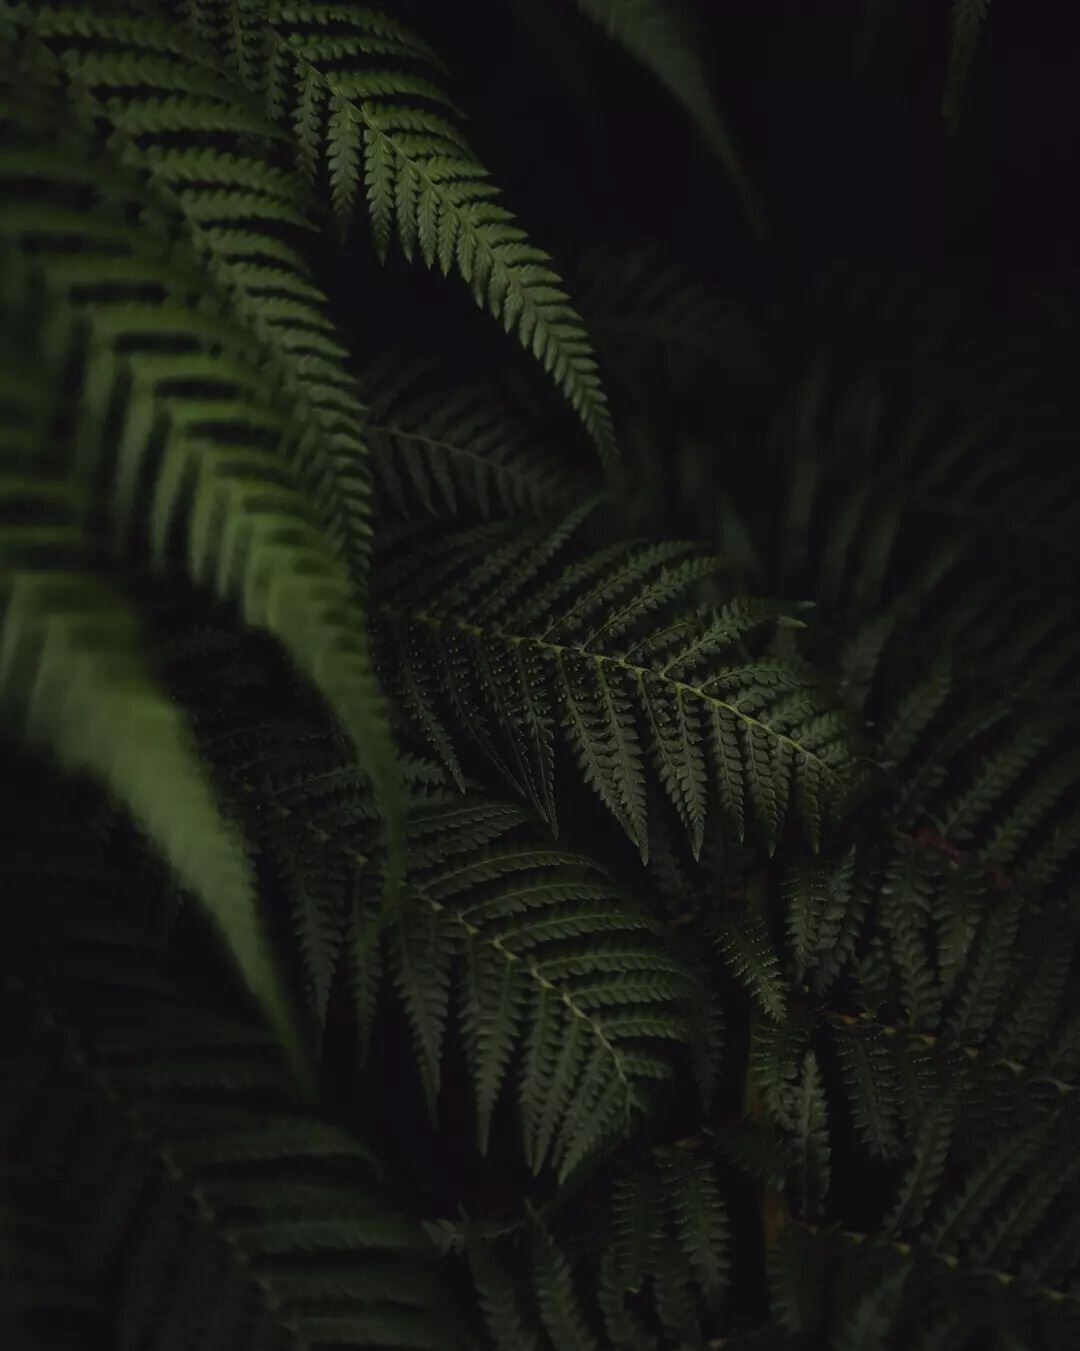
x,y
546,824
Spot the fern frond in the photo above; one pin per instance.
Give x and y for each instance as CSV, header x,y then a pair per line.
x,y
698,1218
363,95
923,1176
795,1271
451,449
751,958
874,1088
499,1301
178,431
573,652
871,1322
642,300
968,17
809,1114
75,674
555,971
218,1205
557,1299
231,205
654,34
905,910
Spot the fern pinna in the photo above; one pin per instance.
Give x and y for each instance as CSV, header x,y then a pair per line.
x,y
477,875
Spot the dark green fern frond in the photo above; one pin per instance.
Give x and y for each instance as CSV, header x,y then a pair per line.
x,y
75,676
554,971
551,973
968,17
445,449
364,99
589,651
749,955
657,34
241,217
644,302
657,1275
205,1195
177,431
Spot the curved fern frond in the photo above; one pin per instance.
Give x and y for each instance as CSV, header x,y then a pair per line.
x,y
555,970
239,215
216,1207
549,971
448,449
75,673
968,17
503,639
178,432
655,33
364,99
751,958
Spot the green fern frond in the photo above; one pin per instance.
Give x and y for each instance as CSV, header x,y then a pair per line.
x,y
751,958
905,908
557,1298
656,34
177,430
826,906
499,1301
924,1173
762,1153
75,674
216,1204
870,1324
362,95
643,302
555,972
698,1219
575,653
776,1054
874,1090
450,450
809,1120
635,1207
968,17
239,215
796,1271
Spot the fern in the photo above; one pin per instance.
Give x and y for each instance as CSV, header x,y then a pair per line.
x,y
199,424
811,1075
968,17
549,654
451,451
532,950
363,97
552,965
216,1217
75,674
656,35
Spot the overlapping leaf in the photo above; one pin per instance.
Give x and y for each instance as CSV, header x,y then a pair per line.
x,y
522,644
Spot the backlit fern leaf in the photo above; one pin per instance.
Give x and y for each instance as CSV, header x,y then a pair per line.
x,y
363,93
481,623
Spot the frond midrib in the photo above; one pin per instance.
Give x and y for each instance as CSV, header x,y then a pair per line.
x,y
640,673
